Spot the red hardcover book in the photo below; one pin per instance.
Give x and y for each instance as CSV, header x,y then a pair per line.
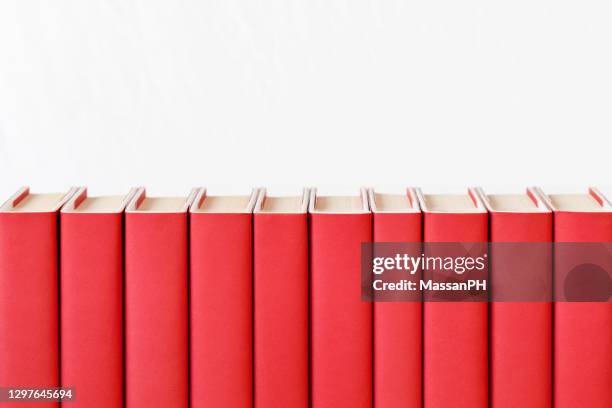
x,y
582,329
341,322
397,325
221,300
29,292
91,298
455,372
156,305
520,348
280,241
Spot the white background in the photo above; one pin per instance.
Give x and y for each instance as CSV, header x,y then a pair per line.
x,y
339,94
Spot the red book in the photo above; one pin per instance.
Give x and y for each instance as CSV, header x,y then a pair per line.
x,y
156,320
582,329
29,262
91,297
280,240
221,300
521,321
455,356
397,325
341,322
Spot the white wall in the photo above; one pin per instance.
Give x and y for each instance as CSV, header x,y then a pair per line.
x,y
229,94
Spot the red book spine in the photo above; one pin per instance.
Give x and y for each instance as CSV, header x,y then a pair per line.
x,y
521,332
156,322
221,300
29,333
281,309
582,330
455,343
397,325
341,323
92,307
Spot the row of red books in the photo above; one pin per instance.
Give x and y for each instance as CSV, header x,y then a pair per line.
x,y
241,301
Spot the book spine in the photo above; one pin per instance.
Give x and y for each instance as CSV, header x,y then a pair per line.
x,y
521,332
582,330
281,310
397,327
221,300
455,333
91,308
29,333
156,322
341,323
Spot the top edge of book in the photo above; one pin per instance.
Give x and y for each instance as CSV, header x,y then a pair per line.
x,y
161,205
100,204
468,203
528,202
282,204
140,203
81,203
389,203
223,204
23,201
592,201
339,204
